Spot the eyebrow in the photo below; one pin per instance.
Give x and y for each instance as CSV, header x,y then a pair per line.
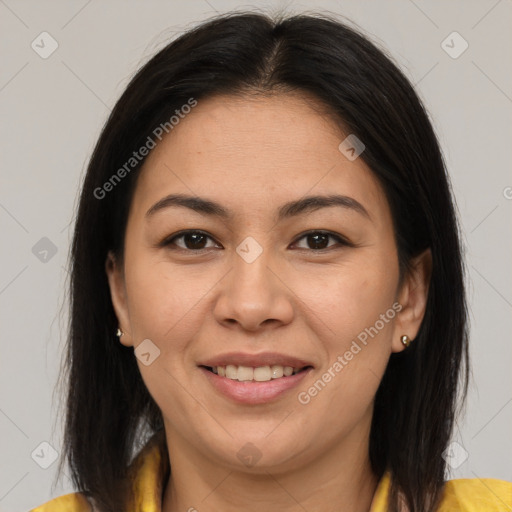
x,y
291,209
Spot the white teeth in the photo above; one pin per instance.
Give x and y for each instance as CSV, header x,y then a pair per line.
x,y
277,371
245,373
262,373
259,374
231,372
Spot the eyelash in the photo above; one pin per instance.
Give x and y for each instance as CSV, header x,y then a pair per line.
x,y
170,240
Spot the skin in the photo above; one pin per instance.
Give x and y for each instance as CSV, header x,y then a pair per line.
x,y
251,155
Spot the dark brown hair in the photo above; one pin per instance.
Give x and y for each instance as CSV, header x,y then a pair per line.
x,y
109,410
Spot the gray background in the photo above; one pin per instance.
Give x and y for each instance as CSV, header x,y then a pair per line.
x,y
52,111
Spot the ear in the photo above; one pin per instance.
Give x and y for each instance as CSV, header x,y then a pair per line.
x,y
117,286
413,296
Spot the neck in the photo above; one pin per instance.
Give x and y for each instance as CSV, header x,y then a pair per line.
x,y
340,478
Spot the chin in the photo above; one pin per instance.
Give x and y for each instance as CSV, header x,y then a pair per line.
x,y
260,453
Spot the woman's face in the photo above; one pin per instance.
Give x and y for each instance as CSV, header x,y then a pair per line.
x,y
263,285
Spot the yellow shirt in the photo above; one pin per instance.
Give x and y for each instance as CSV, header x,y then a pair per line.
x,y
463,495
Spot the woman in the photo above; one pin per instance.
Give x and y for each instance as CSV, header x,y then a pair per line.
x,y
267,222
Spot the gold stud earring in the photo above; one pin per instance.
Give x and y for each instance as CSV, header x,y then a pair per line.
x,y
406,341
119,333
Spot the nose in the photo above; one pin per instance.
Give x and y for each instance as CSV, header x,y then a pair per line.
x,y
254,295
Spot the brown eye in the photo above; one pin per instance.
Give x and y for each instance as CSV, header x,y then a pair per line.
x,y
197,241
319,240
194,240
191,240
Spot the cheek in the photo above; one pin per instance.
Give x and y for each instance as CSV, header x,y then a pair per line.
x,y
354,318
163,300
350,297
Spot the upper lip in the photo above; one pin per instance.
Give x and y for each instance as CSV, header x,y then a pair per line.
x,y
255,360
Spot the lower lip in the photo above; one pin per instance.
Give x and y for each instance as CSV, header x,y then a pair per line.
x,y
252,392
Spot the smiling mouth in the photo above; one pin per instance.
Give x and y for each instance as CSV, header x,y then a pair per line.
x,y
255,374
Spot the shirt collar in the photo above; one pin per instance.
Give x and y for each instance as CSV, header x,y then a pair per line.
x,y
150,467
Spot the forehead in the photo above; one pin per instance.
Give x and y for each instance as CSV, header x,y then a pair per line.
x,y
248,151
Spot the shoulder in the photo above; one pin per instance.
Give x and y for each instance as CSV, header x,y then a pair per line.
x,y
148,471
476,495
74,502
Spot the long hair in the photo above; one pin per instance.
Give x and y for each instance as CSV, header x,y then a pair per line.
x,y
109,410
